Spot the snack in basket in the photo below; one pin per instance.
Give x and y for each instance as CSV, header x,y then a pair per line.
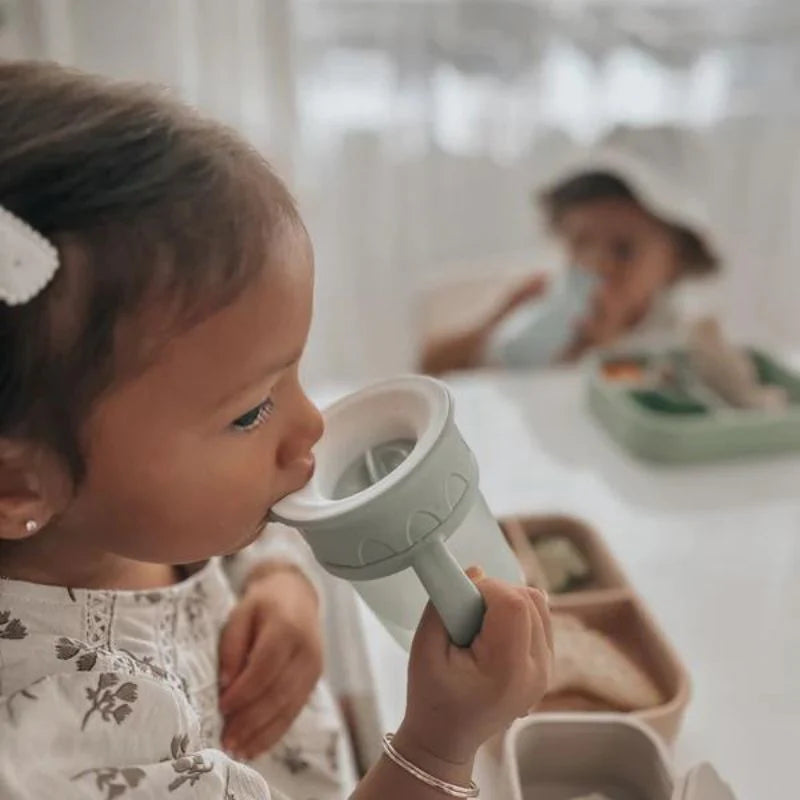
x,y
589,664
729,371
564,566
534,572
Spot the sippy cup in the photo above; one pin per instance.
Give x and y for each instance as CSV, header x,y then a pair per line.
x,y
537,333
394,507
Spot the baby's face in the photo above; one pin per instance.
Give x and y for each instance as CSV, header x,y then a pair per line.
x,y
186,459
633,254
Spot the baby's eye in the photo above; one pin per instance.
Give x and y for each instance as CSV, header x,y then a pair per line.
x,y
254,417
624,251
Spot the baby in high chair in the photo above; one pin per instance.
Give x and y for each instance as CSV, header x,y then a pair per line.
x,y
155,640
626,213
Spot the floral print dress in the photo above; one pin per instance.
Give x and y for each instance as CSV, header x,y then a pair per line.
x,y
107,694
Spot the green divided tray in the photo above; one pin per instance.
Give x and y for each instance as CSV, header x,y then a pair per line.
x,y
677,429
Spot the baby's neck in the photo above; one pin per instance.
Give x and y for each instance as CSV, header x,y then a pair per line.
x,y
55,562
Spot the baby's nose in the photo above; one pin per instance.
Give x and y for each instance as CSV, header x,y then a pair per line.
x,y
306,431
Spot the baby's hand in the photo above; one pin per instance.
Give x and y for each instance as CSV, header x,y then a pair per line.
x,y
270,659
459,698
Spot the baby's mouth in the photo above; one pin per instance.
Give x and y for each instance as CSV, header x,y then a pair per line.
x,y
309,465
305,472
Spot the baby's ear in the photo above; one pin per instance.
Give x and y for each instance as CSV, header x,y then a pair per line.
x,y
31,488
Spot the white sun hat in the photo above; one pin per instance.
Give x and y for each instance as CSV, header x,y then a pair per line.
x,y
665,167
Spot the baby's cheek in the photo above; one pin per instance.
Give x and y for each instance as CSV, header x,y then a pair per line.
x,y
211,499
611,305
240,495
644,289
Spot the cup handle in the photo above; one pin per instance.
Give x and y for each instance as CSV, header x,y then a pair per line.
x,y
454,595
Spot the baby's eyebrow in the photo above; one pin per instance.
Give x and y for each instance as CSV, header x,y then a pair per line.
x,y
267,372
289,362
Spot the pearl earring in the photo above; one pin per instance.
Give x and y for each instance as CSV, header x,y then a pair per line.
x,y
31,525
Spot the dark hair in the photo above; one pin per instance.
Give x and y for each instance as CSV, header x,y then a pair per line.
x,y
695,255
145,201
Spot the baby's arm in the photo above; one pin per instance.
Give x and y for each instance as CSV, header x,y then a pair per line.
x,y
458,698
270,655
466,349
455,351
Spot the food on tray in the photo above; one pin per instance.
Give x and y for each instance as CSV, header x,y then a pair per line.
x,y
587,662
564,566
730,371
669,402
624,371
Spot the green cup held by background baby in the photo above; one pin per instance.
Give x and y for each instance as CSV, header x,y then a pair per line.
x,y
538,333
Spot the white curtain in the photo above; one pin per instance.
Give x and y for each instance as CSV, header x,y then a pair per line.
x,y
412,131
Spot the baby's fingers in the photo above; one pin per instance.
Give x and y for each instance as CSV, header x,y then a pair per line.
x,y
505,637
257,727
539,599
266,660
541,652
237,636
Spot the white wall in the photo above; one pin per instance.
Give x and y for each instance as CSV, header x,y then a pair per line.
x,y
389,211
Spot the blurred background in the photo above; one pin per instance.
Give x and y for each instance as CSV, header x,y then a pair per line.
x,y
412,131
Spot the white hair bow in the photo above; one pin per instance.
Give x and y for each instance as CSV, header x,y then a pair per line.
x,y
27,260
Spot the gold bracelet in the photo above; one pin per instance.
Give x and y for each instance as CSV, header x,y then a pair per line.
x,y
452,789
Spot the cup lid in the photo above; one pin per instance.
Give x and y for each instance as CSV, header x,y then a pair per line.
x,y
410,408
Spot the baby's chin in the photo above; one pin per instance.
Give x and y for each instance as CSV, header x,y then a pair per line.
x,y
246,540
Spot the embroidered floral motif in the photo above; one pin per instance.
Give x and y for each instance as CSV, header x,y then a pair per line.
x,y
169,636
113,781
146,664
121,660
190,768
149,597
110,704
26,693
67,649
11,628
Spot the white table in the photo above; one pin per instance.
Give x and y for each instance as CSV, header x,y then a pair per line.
x,y
714,551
